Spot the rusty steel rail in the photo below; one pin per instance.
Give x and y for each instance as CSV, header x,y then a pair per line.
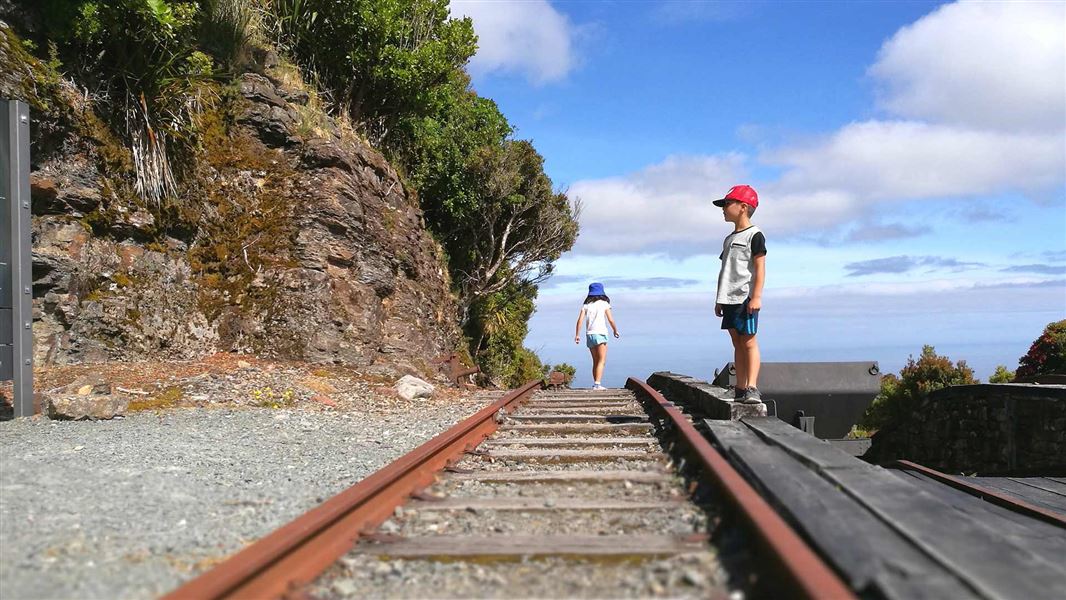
x,y
988,495
794,560
296,553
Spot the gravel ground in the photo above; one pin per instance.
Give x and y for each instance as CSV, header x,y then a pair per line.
x,y
360,576
369,571
132,507
614,490
487,522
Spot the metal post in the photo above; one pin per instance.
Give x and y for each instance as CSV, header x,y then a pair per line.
x,y
16,277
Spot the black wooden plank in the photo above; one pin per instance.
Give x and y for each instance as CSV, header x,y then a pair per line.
x,y
801,445
1049,540
1043,483
919,478
1000,564
876,561
1026,493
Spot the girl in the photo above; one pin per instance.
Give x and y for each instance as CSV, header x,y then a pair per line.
x,y
597,312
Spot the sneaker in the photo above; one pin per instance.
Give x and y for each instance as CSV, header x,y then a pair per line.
x,y
598,388
738,393
752,396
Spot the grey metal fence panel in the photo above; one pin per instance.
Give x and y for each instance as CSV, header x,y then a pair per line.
x,y
7,370
15,249
7,323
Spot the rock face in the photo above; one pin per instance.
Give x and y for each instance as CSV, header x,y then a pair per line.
x,y
290,239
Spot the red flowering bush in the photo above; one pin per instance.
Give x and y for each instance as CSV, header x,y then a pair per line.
x,y
902,395
1047,355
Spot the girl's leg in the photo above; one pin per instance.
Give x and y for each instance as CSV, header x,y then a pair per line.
x,y
592,352
740,359
600,352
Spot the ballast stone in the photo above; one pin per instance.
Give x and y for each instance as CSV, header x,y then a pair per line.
x,y
411,387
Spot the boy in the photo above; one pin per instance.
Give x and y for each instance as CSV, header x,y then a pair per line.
x,y
740,287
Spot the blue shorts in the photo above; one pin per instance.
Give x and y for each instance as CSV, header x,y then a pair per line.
x,y
595,339
735,316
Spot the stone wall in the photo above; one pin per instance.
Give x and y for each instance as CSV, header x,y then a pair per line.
x,y
701,399
983,429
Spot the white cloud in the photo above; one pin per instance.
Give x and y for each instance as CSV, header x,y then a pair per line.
x,y
982,89
900,160
529,37
665,207
980,64
845,180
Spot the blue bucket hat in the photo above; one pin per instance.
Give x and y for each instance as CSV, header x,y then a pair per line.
x,y
596,289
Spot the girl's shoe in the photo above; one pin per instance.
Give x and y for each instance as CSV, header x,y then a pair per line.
x,y
598,388
739,393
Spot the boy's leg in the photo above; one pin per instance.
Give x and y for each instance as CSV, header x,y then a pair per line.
x,y
752,360
740,359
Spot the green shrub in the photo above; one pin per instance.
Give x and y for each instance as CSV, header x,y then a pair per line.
x,y
380,60
901,395
1001,375
565,368
496,328
226,30
1047,355
141,62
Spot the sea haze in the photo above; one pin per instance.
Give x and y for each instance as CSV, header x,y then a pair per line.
x,y
678,332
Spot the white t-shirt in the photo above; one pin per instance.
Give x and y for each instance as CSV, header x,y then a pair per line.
x,y
596,317
739,251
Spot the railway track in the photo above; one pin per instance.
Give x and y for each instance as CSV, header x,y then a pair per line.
x,y
543,493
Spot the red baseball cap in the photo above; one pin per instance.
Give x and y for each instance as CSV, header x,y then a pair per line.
x,y
740,193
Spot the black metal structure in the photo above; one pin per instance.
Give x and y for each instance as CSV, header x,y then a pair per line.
x,y
830,395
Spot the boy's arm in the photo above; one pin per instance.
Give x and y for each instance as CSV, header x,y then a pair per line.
x,y
757,279
610,320
577,328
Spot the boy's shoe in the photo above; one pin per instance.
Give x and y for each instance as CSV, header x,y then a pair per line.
x,y
738,393
598,388
752,396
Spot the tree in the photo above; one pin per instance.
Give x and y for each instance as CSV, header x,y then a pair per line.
x,y
902,395
437,151
381,60
1047,355
1001,375
497,327
523,225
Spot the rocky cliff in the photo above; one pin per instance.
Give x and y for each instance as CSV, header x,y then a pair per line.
x,y
288,237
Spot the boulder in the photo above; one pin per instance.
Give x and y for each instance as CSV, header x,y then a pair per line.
x,y
411,387
86,406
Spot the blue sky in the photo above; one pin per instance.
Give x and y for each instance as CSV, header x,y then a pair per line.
x,y
910,159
